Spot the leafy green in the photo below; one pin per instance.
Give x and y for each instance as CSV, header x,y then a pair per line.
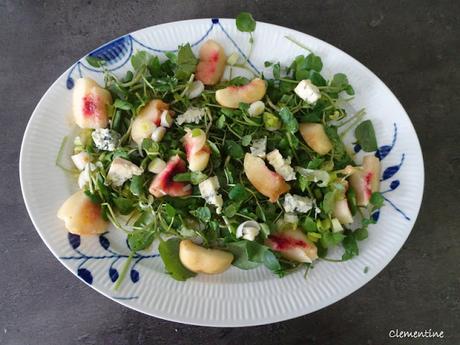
x,y
238,193
95,61
351,247
186,62
202,213
140,239
169,253
365,136
245,22
340,83
137,185
289,120
195,177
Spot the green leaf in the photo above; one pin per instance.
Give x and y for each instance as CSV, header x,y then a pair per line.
x,y
95,61
246,140
361,234
220,122
308,224
340,82
238,193
137,184
351,198
330,239
245,22
170,210
377,200
124,205
195,177
240,252
169,253
140,59
186,62
277,71
313,62
365,136
154,66
289,120
202,213
329,201
271,261
351,247
234,149
140,239
123,105
231,209
150,147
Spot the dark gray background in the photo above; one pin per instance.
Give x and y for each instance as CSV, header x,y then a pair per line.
x,y
412,45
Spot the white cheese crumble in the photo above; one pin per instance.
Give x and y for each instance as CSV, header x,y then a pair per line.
x,y
81,159
281,165
158,134
248,230
191,115
166,119
157,165
208,189
259,146
122,170
195,89
256,108
307,91
85,176
291,218
301,204
105,139
321,177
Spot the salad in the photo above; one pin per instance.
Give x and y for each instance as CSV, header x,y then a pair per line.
x,y
221,165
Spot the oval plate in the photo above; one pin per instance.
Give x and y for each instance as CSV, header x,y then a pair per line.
x,y
235,298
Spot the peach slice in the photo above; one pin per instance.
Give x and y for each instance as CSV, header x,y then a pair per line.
x,y
315,137
232,96
82,216
90,104
293,245
197,150
147,120
342,212
366,181
163,184
212,63
267,182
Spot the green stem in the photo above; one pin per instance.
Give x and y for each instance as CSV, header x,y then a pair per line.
x,y
297,43
124,271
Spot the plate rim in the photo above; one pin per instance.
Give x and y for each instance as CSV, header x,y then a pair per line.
x,y
344,292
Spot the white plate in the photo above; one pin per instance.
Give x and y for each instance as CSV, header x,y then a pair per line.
x,y
235,298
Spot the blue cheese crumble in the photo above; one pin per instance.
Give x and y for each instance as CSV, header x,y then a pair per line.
x,y
105,139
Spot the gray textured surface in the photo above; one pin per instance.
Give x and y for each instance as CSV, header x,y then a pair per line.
x,y
412,46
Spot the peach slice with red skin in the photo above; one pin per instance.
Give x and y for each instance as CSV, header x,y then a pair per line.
x,y
196,149
90,104
366,181
293,245
212,63
232,96
148,119
267,182
82,216
315,136
163,184
342,212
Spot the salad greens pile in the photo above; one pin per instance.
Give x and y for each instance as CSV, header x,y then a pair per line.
x,y
230,134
